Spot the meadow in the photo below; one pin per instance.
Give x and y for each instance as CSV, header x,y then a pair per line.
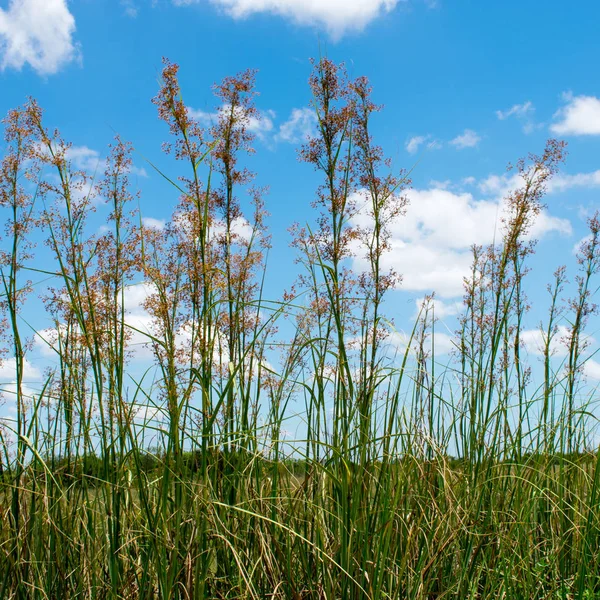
x,y
406,475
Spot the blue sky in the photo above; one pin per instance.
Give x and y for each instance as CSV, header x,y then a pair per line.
x,y
467,87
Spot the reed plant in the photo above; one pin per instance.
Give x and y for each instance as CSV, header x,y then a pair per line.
x,y
409,477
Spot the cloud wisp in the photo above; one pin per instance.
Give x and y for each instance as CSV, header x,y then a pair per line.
x,y
415,142
468,139
522,112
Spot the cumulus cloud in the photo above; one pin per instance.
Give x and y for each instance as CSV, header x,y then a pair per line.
x,y
579,116
579,246
84,158
152,223
139,322
297,128
137,319
431,244
441,309
467,139
412,146
500,185
439,344
240,229
534,341
336,16
89,160
301,124
565,182
38,33
591,368
146,413
142,325
205,117
260,125
32,378
46,342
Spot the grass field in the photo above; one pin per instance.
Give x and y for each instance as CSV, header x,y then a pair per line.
x,y
408,476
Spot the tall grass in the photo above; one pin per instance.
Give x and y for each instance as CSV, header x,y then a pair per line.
x,y
409,478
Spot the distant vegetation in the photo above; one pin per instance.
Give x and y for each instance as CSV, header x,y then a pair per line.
x,y
403,478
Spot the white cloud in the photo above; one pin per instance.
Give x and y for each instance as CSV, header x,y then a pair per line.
x,y
468,139
518,110
139,322
89,160
584,240
142,325
336,16
145,413
205,117
85,158
448,184
130,8
431,244
441,309
443,343
591,368
152,223
442,185
139,171
46,342
301,124
240,227
413,144
38,33
579,116
561,183
524,113
32,378
260,125
534,341
137,319
501,185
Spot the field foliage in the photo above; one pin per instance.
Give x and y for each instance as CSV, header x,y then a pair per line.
x,y
297,447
